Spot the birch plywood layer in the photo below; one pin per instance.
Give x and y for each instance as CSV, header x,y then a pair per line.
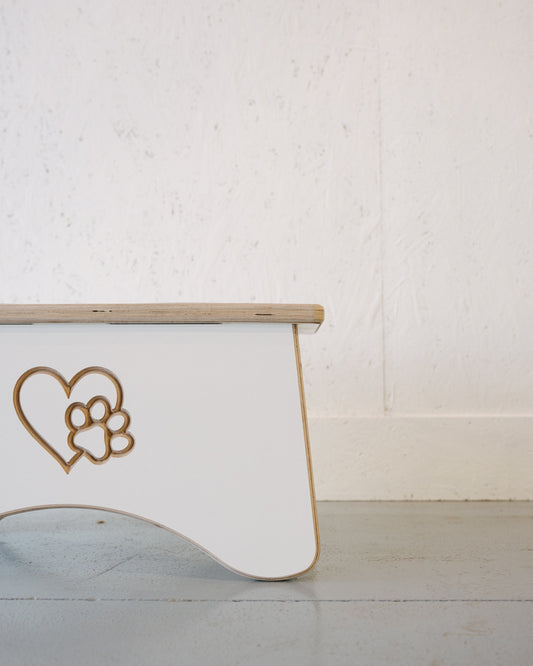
x,y
307,317
199,428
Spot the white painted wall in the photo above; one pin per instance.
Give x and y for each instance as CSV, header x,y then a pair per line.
x,y
372,156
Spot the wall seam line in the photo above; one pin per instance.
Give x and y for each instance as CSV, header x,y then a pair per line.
x,y
386,406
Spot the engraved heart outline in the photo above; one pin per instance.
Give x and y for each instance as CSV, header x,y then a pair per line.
x,y
67,387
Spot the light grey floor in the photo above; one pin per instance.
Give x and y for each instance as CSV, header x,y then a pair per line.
x,y
397,583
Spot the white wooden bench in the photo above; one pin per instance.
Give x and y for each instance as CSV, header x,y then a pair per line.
x,y
191,416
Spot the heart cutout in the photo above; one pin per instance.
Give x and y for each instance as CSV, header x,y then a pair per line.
x,y
81,410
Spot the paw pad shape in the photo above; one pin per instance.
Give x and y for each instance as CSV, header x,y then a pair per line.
x,y
98,413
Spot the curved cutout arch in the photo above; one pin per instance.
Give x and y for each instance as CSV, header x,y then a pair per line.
x,y
227,566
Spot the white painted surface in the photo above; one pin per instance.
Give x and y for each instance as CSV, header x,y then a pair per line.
x,y
219,452
457,96
375,157
420,458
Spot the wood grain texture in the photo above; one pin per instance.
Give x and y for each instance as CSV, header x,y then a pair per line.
x,y
164,313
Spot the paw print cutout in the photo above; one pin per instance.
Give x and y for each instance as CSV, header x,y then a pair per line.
x,y
97,413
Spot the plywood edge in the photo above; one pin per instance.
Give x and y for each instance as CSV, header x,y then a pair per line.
x,y
305,425
309,317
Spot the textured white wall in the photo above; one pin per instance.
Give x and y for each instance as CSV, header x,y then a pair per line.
x,y
372,156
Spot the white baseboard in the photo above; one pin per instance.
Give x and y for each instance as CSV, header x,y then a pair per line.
x,y
423,458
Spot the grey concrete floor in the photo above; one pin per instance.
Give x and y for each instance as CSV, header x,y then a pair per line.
x,y
397,583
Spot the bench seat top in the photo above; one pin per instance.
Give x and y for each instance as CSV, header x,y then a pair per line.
x,y
307,317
